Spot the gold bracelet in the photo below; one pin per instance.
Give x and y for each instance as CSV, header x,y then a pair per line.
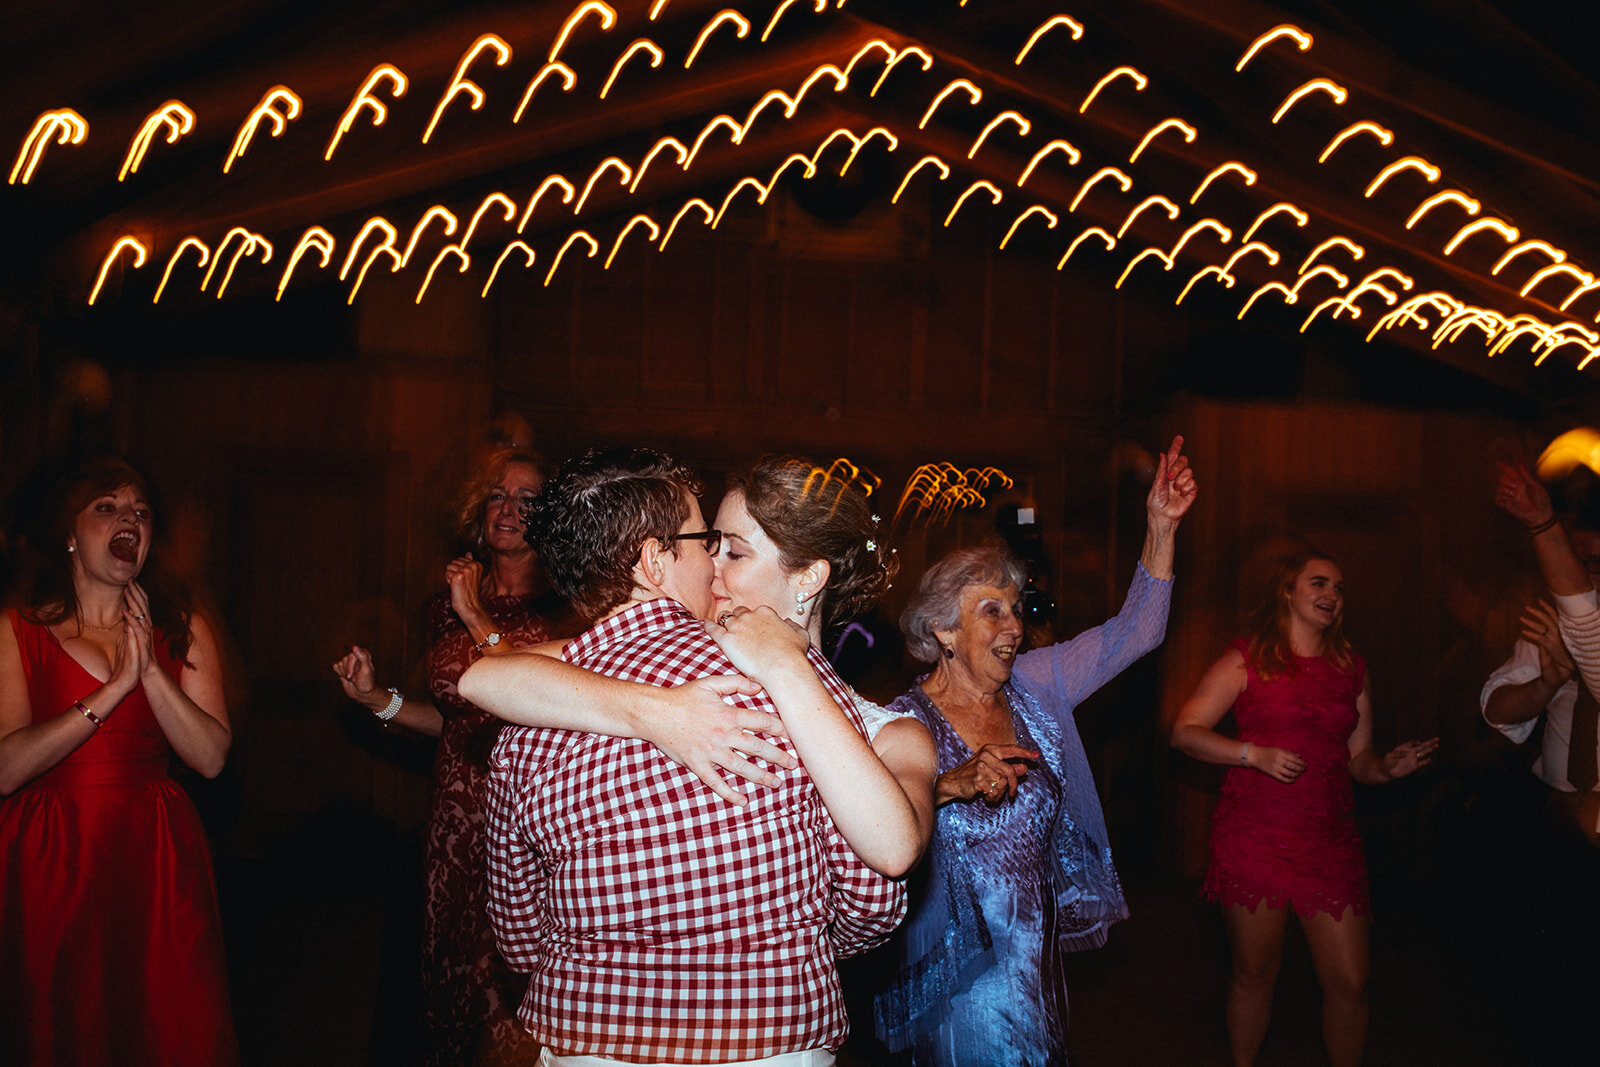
x,y
87,714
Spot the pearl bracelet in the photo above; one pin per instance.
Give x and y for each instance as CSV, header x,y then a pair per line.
x,y
391,709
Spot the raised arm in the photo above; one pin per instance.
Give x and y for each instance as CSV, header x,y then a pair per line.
x,y
887,823
690,724
1521,496
1170,497
1194,733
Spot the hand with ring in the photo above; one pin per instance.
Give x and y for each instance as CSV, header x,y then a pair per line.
x,y
994,773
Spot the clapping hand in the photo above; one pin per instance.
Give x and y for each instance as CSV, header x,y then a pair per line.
x,y
1542,629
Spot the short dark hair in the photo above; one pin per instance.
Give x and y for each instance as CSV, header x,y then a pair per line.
x,y
810,515
590,521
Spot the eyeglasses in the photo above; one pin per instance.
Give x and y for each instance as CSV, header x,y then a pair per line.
x,y
712,538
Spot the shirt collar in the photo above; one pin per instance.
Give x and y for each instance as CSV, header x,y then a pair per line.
x,y
649,616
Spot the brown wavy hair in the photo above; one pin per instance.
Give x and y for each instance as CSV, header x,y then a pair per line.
x,y
810,516
1269,653
468,510
55,598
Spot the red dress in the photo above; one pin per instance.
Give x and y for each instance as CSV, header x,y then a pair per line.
x,y
1293,844
110,939
472,995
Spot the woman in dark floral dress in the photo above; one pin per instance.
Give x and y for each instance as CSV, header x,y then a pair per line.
x,y
491,604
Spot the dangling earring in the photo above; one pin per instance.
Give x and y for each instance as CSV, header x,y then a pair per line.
x,y
800,605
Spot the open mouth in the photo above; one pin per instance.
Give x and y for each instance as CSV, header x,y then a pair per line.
x,y
125,546
1006,653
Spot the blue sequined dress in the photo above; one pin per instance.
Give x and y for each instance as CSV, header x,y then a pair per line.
x,y
1007,890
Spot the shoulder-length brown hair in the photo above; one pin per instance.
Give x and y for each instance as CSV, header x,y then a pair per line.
x,y
1269,653
468,513
54,597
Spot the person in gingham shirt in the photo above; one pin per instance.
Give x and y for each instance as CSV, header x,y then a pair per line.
x,y
658,922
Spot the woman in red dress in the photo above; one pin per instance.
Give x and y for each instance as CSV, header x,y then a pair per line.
x,y
110,940
1284,834
491,604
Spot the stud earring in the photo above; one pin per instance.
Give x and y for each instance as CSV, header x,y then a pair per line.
x,y
949,653
800,605
72,548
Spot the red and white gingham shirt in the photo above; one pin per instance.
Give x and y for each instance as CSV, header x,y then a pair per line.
x,y
658,921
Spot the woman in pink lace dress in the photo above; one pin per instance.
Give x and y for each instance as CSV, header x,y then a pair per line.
x,y
491,604
1284,835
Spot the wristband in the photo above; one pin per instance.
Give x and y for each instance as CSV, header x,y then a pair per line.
x,y
87,714
391,709
1244,754
1536,529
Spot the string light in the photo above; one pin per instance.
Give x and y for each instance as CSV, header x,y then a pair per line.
x,y
122,243
740,23
460,83
1187,130
1072,154
364,98
1139,83
266,109
1316,85
569,78
974,95
172,261
1045,27
643,44
63,124
174,116
1301,38
1022,124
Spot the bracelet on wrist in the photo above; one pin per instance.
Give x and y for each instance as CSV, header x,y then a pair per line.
x,y
1535,529
391,709
83,709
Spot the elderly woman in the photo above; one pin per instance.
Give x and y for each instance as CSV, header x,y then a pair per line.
x,y
1020,868
491,604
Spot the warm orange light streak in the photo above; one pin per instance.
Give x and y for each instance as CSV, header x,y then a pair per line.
x,y
139,255
64,124
1535,245
1249,247
314,238
1505,230
1166,263
1490,322
437,211
741,23
909,50
514,246
1366,285
1469,205
1139,82
361,275
1516,326
1037,209
577,235
994,197
607,16
1300,218
938,489
1226,278
1582,276
265,109
643,44
365,99
944,172
875,45
649,157
1072,154
794,157
646,220
1104,172
253,242
1022,124
1577,293
1222,232
172,261
1316,272
773,96
1416,163
1045,27
1355,250
696,202
855,150
656,8
460,83
609,163
1335,302
754,183
379,224
1288,296
1407,312
568,191
1091,231
489,201
974,94
699,142
827,142
819,6
1243,171
1301,38
1150,201
1405,281
1187,130
174,115
569,78
1565,334
1385,137
447,250
1315,85
824,70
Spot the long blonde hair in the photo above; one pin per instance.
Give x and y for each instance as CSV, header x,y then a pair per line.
x,y
1269,653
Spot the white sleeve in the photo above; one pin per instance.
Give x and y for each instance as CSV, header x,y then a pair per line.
x,y
1523,666
1580,629
876,716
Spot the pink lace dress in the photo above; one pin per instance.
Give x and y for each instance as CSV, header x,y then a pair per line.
x,y
1293,844
472,996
